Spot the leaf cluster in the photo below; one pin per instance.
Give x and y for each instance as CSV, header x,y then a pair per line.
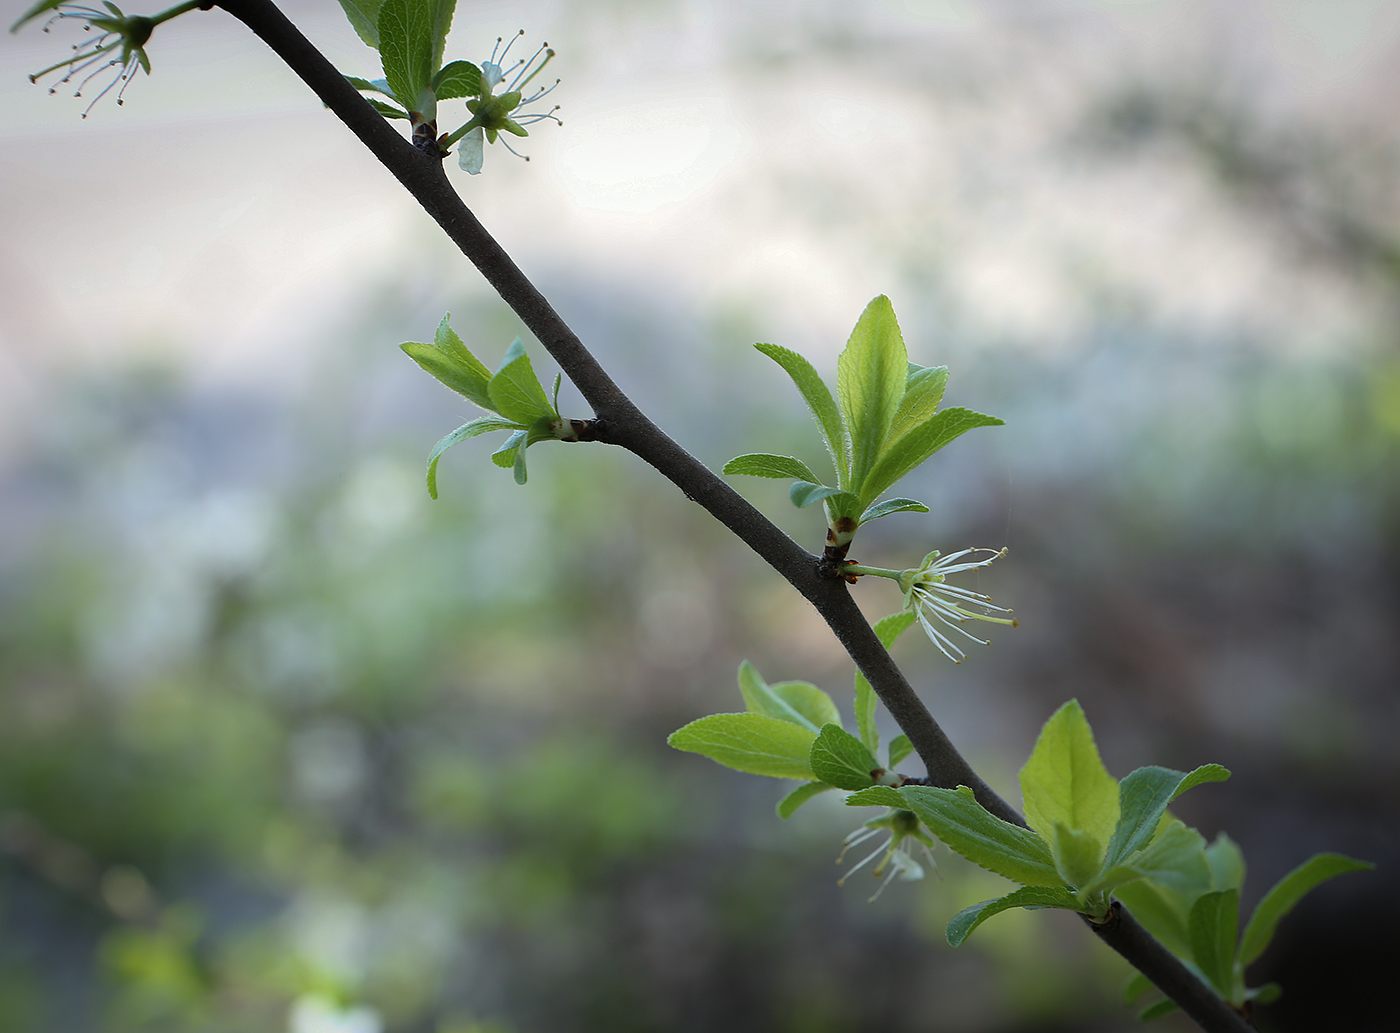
x,y
513,392
883,422
793,729
1090,836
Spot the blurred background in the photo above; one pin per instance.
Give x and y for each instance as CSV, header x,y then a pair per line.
x,y
285,746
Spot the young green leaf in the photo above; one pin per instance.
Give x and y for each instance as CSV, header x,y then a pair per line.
x,y
364,19
1162,911
480,425
1078,855
818,398
955,816
1064,780
799,702
457,79
886,629
901,456
1175,859
892,506
753,743
505,455
516,393
839,758
870,376
1226,864
1143,796
1158,1009
900,747
923,390
387,110
969,918
1286,893
1213,926
795,799
762,464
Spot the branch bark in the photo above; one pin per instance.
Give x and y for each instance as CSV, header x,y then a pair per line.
x,y
622,423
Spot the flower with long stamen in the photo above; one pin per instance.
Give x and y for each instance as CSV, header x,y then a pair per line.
x,y
927,592
493,113
903,827
117,32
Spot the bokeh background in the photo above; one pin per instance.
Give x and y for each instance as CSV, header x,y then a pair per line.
x,y
285,746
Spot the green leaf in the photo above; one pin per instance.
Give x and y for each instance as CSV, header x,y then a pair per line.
x,y
762,464
362,84
923,390
1143,796
955,816
516,393
914,447
387,110
795,799
457,79
506,454
1157,1009
364,19
1161,911
480,425
1286,893
753,743
887,630
1212,928
449,361
1226,864
1175,859
804,493
1078,855
1266,994
447,341
35,11
839,758
1137,985
1064,781
870,376
412,35
818,398
969,918
892,506
799,702
900,747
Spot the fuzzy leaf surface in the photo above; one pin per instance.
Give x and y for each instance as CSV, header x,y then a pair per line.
x,y
753,743
923,391
480,425
764,464
841,759
516,393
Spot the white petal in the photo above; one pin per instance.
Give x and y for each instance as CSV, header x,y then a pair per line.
x,y
471,151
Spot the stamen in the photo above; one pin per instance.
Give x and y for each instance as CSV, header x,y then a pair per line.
x,y
89,79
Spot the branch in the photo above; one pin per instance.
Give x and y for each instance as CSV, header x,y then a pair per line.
x,y
622,423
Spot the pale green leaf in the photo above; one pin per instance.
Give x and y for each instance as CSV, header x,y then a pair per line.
x,y
818,398
1212,928
870,376
505,455
1065,782
752,743
1160,910
839,758
900,747
1226,862
902,455
955,816
762,464
799,702
892,506
969,918
364,19
788,805
1078,855
480,425
923,390
516,393
448,360
1286,893
1175,859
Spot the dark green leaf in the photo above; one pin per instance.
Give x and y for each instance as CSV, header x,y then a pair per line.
x,y
969,918
818,398
1143,796
480,425
839,758
1286,893
1157,1009
1266,994
955,816
1212,929
870,376
387,110
753,743
762,464
804,493
795,799
900,747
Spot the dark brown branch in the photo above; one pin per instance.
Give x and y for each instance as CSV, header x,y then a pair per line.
x,y
622,423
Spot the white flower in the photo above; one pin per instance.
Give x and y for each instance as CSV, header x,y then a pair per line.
x,y
926,591
902,826
493,113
